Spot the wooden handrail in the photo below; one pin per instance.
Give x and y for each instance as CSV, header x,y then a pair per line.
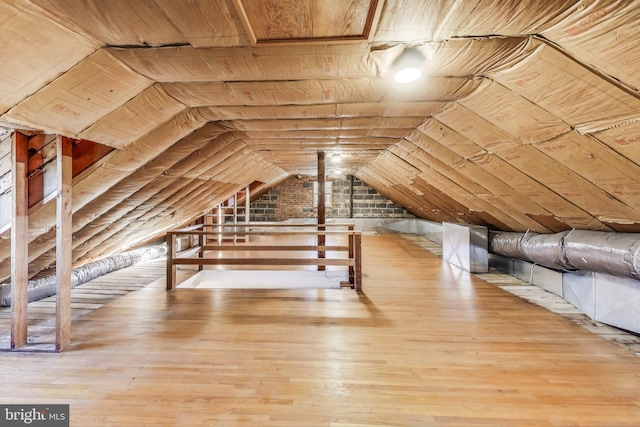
x,y
282,225
265,261
332,248
263,233
353,259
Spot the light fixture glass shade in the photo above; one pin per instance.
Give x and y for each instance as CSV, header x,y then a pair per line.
x,y
407,75
408,66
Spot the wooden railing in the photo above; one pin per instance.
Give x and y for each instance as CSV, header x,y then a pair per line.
x,y
239,236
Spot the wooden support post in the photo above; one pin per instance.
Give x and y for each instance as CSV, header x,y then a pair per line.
x,y
350,196
201,249
19,238
358,261
321,205
220,222
201,255
171,267
351,254
63,242
235,218
202,238
247,210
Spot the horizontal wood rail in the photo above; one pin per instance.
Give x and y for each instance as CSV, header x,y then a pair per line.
x,y
352,250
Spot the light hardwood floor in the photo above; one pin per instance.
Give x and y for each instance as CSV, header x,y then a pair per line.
x,y
425,345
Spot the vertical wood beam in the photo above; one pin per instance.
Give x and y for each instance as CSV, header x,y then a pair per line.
x,y
350,196
235,218
321,205
201,238
64,162
19,238
220,222
351,254
171,267
358,262
247,210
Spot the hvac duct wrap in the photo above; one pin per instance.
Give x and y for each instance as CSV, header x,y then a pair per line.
x,y
544,249
617,254
613,253
46,286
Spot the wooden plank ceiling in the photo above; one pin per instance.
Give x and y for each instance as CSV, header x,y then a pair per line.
x,y
526,119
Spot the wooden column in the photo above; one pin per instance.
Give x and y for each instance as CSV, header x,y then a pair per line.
x,y
351,253
358,261
350,196
63,242
202,239
220,222
171,267
321,205
19,238
235,218
247,210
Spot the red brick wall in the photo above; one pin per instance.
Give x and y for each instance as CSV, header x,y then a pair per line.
x,y
293,198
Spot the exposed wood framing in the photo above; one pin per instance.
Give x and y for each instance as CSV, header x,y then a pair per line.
x,y
171,267
234,219
19,239
353,261
321,205
358,261
220,222
247,208
63,242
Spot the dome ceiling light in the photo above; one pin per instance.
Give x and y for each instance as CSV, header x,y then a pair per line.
x,y
408,66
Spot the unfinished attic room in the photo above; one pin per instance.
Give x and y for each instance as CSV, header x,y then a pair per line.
x,y
320,213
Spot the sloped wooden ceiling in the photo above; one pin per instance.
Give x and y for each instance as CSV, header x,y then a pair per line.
x,y
527,119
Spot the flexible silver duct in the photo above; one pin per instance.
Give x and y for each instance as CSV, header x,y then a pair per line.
x,y
617,254
46,286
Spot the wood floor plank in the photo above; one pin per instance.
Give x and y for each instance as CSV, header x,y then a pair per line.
x,y
426,345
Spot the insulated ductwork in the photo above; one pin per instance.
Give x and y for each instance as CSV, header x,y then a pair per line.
x,y
46,286
617,254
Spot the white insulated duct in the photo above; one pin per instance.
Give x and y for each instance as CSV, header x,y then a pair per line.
x,y
617,254
46,286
